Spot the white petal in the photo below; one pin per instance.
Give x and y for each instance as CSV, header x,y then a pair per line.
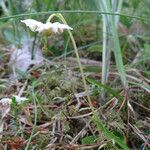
x,y
61,26
5,101
58,27
47,25
33,25
54,29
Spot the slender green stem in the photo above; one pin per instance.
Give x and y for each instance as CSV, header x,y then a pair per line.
x,y
77,56
50,17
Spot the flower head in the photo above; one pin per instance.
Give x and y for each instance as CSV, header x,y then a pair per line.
x,y
8,101
48,27
5,101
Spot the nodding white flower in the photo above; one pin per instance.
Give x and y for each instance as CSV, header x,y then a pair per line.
x,y
48,27
5,101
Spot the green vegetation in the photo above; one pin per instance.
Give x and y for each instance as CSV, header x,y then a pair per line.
x,y
86,88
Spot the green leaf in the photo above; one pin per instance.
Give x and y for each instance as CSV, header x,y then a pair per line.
x,y
89,139
95,48
147,74
118,54
14,102
95,69
108,133
142,85
109,89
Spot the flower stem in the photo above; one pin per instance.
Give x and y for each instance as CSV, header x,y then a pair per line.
x,y
77,57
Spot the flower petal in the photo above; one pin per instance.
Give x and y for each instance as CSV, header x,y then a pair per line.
x,y
34,25
62,26
5,101
58,27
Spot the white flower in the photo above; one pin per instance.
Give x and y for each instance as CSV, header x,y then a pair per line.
x,y
19,99
48,27
8,101
5,101
57,27
33,25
